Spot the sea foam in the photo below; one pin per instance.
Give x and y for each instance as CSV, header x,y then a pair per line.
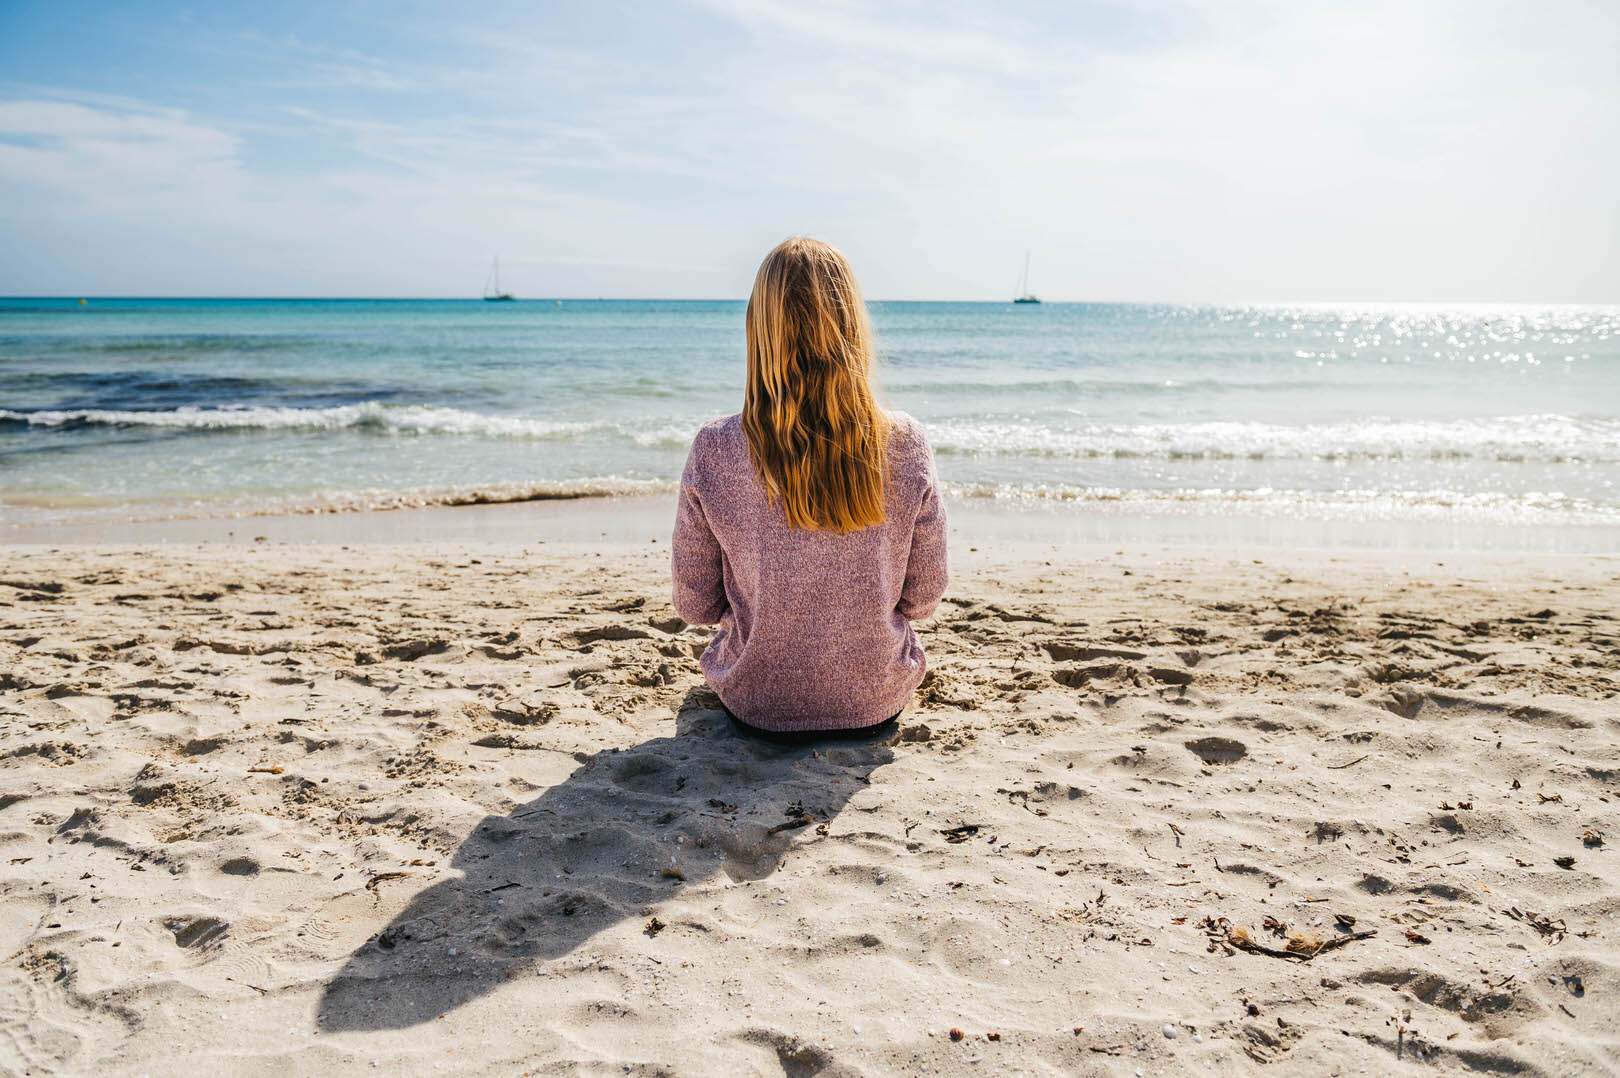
x,y
1550,438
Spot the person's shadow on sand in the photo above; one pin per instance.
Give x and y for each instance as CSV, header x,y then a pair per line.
x,y
594,850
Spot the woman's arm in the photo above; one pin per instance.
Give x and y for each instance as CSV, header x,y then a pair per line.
x,y
695,561
926,573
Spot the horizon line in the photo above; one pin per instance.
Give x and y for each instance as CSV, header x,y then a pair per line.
x,y
87,296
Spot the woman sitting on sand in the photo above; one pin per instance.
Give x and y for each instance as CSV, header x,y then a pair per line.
x,y
809,525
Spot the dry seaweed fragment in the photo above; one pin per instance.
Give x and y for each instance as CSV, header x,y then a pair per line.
x,y
1544,799
1592,837
961,833
791,825
1564,862
654,926
1303,943
1551,927
1300,947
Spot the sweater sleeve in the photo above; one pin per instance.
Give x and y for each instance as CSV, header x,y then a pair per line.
x,y
926,574
695,559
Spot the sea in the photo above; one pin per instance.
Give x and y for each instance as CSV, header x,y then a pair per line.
x,y
1503,421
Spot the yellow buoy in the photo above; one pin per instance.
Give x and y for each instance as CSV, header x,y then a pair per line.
x,y
81,303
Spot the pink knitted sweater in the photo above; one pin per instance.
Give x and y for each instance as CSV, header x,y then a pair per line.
x,y
815,629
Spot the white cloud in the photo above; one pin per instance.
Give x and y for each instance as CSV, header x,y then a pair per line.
x,y
89,149
859,29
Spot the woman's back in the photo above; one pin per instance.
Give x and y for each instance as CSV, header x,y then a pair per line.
x,y
814,623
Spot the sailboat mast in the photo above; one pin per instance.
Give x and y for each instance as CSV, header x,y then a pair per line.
x,y
492,283
1024,291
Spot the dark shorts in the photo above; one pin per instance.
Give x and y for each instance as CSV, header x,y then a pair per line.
x,y
889,725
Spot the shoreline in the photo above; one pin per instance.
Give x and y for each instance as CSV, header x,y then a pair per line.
x,y
647,518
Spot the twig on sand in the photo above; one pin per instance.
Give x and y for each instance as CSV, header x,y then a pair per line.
x,y
1352,763
790,825
371,884
1339,941
1306,952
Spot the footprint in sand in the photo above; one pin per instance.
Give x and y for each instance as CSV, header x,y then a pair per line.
x,y
608,632
1218,750
194,931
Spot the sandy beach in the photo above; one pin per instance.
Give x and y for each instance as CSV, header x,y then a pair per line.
x,y
468,808
361,364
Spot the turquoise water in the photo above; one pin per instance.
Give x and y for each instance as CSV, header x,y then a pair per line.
x,y
140,408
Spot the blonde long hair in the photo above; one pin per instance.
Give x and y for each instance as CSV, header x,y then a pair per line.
x,y
816,435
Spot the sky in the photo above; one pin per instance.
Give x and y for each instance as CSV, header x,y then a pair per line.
x,y
1156,150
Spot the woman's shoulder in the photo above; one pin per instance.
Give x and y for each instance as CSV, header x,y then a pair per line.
x,y
717,431
907,434
904,420
715,445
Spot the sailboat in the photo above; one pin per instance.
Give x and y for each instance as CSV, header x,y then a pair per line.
x,y
492,284
1024,294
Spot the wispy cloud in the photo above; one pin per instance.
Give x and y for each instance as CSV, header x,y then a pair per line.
x,y
459,143
95,151
314,65
983,42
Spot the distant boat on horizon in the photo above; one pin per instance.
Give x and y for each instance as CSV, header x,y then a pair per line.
x,y
492,284
1024,294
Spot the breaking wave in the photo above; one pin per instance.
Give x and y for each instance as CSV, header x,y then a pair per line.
x,y
367,416
1543,438
1546,438
1448,506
